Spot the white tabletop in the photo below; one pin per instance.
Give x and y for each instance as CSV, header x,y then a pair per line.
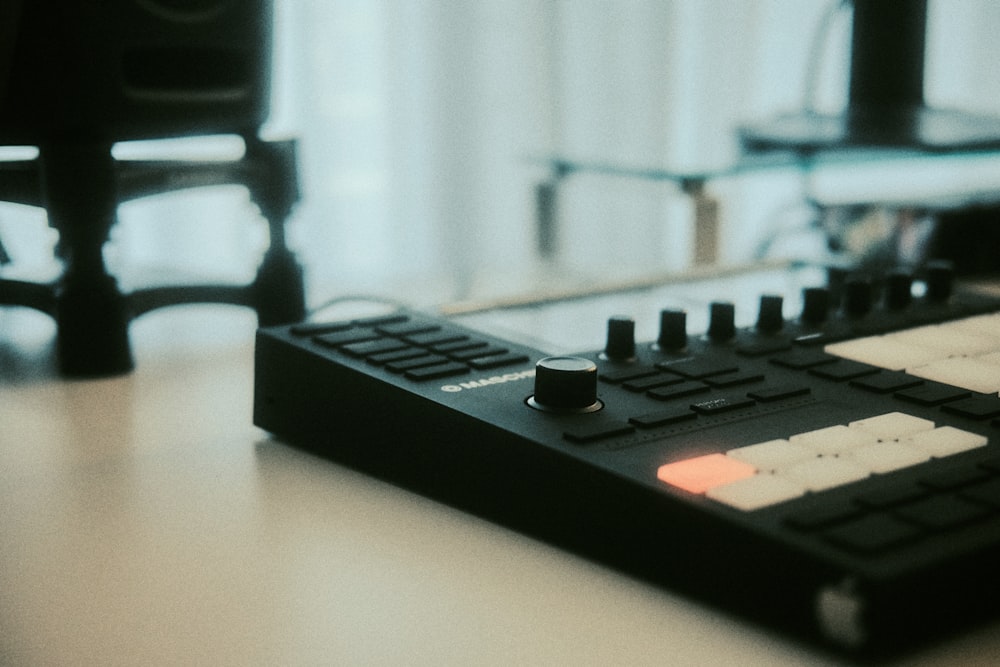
x,y
144,521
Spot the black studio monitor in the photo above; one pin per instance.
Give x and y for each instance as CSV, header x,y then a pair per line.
x,y
77,76
114,70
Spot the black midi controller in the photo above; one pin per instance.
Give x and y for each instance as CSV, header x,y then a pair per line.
x,y
835,475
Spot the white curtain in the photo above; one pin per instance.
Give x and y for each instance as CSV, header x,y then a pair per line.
x,y
425,125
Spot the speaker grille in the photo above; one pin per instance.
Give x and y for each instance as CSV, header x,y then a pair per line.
x,y
187,73
116,70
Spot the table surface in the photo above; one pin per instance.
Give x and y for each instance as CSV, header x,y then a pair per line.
x,y
146,521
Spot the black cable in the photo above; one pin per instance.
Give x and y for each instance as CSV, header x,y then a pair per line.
x,y
347,298
816,52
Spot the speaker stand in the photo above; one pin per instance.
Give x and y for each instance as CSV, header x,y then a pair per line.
x,y
81,185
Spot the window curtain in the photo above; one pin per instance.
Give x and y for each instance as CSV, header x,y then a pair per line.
x,y
426,126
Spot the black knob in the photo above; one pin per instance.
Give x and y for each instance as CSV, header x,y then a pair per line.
x,y
673,330
836,278
721,321
621,338
898,290
857,296
815,304
940,274
565,384
770,318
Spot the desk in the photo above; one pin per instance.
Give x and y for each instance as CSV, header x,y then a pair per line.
x,y
145,521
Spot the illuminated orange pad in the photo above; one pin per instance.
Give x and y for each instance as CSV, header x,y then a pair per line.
x,y
700,474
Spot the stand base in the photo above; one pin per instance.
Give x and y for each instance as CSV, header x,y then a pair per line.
x,y
91,314
92,329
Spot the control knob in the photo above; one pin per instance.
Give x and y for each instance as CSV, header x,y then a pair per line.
x,y
565,384
940,275
721,321
815,305
621,339
673,330
770,318
898,290
857,296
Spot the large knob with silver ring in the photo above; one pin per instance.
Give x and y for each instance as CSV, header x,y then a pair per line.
x,y
565,384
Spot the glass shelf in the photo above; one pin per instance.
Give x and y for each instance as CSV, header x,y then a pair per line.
x,y
890,163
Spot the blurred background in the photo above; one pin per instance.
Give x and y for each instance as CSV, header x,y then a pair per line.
x,y
435,134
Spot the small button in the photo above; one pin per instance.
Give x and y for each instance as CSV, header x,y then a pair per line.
x,y
597,431
499,361
872,534
408,364
697,369
823,516
932,394
436,338
769,394
346,337
455,346
734,379
663,418
843,370
651,382
408,328
758,347
891,495
940,512
370,347
950,480
631,373
449,369
383,358
987,493
886,382
977,407
677,391
477,352
803,359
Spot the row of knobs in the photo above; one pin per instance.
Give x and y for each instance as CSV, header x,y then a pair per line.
x,y
569,384
857,298
673,327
